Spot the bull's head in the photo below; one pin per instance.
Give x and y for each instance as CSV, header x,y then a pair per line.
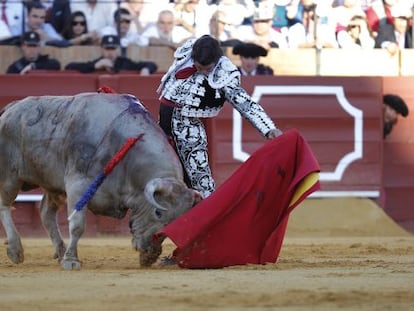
x,y
169,198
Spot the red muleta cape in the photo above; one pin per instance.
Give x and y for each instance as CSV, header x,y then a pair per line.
x,y
244,221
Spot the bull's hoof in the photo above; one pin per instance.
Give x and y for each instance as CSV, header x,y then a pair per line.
x,y
59,252
148,257
70,264
15,251
168,261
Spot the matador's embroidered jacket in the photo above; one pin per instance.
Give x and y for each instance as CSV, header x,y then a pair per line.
x,y
204,96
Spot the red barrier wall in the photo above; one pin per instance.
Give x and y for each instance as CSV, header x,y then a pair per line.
x,y
398,164
340,117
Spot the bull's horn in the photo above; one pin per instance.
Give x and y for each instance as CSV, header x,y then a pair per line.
x,y
154,185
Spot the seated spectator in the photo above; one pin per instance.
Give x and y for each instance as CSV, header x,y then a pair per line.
x,y
249,58
280,20
379,13
76,30
278,9
58,14
123,28
239,12
397,35
356,35
150,10
99,13
193,16
310,26
164,32
261,31
134,8
223,30
393,105
36,16
340,16
32,58
112,61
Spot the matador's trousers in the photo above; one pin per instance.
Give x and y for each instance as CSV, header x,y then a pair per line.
x,y
190,142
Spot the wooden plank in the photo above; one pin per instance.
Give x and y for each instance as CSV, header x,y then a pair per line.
x,y
362,62
407,62
285,61
76,53
162,56
9,54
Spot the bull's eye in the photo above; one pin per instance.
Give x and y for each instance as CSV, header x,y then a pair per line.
x,y
158,213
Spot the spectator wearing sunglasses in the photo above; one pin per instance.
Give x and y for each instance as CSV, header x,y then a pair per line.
x,y
76,30
356,35
111,60
98,12
123,28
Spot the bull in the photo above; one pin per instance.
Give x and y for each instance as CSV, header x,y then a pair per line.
x,y
61,143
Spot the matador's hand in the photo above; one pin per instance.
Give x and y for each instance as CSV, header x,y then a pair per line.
x,y
273,133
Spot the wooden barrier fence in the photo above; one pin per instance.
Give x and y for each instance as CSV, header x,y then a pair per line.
x,y
340,117
297,62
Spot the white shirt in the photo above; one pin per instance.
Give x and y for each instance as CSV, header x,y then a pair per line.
x,y
100,16
14,13
131,37
297,35
4,31
246,33
49,30
177,35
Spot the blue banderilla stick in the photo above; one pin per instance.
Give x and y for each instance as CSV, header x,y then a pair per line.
x,y
93,187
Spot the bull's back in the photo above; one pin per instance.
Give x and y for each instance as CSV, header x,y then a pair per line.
x,y
51,136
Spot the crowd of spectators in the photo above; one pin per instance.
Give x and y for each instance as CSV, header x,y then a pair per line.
x,y
356,24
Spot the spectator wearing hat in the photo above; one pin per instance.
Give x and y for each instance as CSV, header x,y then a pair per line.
x,y
396,36
249,58
112,61
393,105
32,58
261,31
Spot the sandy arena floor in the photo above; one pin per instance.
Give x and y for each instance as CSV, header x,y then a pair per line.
x,y
336,256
